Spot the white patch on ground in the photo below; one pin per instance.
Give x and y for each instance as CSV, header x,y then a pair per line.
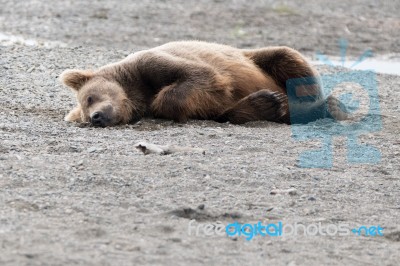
x,y
6,40
148,148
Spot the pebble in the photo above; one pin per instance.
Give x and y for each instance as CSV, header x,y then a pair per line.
x,y
92,149
290,191
312,198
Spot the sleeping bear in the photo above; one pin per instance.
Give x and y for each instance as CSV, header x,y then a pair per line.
x,y
199,80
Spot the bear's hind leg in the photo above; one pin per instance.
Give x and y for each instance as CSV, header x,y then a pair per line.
x,y
297,77
281,63
260,105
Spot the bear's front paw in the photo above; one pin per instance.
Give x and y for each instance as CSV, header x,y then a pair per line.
x,y
74,115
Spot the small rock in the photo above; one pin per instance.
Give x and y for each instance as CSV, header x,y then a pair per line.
x,y
92,149
30,69
290,191
30,256
312,198
275,191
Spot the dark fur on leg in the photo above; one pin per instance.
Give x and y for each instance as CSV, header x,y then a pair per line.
x,y
281,63
261,105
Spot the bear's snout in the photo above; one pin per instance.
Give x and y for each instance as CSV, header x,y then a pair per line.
x,y
97,119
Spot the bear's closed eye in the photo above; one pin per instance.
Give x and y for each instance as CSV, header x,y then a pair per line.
x,y
89,100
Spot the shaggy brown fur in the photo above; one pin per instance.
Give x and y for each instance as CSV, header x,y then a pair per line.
x,y
184,80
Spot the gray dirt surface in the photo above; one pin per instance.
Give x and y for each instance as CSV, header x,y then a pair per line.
x,y
305,25
72,194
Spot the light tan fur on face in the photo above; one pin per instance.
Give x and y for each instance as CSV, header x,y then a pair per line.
x,y
106,97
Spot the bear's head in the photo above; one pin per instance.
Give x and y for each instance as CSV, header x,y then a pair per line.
x,y
101,102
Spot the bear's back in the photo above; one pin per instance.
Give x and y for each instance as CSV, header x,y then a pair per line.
x,y
245,76
208,53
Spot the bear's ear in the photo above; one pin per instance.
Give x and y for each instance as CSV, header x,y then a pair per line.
x,y
75,79
74,115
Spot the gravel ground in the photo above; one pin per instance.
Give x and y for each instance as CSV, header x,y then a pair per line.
x,y
310,26
73,194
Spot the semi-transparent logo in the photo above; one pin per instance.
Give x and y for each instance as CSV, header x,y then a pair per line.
x,y
352,94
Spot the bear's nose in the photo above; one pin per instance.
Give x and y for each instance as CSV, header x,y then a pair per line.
x,y
97,119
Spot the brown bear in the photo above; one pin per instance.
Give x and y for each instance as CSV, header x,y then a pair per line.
x,y
194,80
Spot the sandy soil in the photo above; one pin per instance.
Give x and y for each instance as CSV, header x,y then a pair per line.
x,y
76,195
